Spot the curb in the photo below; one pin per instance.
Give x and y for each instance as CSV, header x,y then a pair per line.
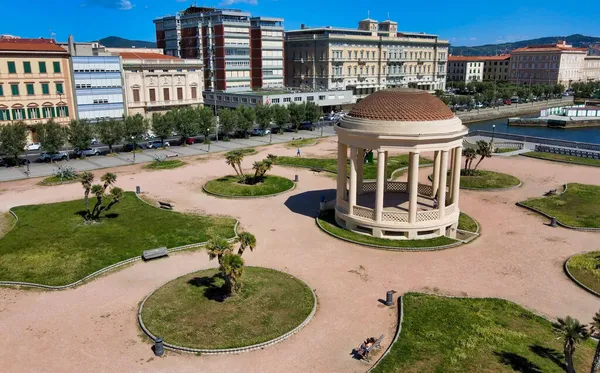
x,y
247,197
558,160
400,305
110,267
222,351
566,268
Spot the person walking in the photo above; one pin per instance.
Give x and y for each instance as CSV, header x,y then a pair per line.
x,y
298,153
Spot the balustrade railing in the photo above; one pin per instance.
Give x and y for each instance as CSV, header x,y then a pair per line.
x,y
451,209
369,186
428,215
396,186
396,217
363,212
424,189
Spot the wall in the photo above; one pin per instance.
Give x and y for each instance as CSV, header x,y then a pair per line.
x,y
510,111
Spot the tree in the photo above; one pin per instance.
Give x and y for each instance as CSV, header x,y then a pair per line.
x,y
296,114
99,190
80,134
13,139
232,269
52,136
228,120
246,118
595,331
135,126
264,116
217,247
234,159
205,120
110,132
311,112
281,115
162,126
484,150
246,241
186,123
470,154
260,169
573,333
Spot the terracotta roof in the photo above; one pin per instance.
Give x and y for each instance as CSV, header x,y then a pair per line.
x,y
401,104
548,48
29,45
502,57
145,56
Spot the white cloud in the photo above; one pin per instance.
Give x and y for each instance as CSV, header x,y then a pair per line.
x,y
231,2
472,38
111,4
125,4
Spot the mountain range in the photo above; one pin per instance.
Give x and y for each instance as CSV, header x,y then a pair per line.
x,y
577,40
117,42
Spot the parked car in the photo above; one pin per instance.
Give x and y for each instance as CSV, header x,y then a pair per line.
x,y
515,100
329,117
94,141
189,141
260,131
87,152
129,147
155,144
60,156
33,146
10,162
308,126
507,102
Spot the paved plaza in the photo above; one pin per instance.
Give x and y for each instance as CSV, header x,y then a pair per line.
x,y
93,328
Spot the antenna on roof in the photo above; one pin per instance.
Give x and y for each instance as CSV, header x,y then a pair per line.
x,y
52,34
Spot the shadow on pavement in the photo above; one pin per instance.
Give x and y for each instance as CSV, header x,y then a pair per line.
x,y
307,203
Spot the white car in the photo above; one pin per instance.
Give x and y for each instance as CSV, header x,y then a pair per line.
x,y
33,146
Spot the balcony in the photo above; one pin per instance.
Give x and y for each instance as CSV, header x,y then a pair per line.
x,y
420,61
362,61
166,103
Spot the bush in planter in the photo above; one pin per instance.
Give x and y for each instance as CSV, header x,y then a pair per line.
x,y
64,173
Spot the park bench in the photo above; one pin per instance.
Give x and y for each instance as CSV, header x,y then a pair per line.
x,y
172,155
165,205
316,169
155,253
364,352
550,192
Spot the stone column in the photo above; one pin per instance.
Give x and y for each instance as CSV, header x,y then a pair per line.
x,y
456,179
436,173
342,174
380,192
413,196
443,180
451,166
360,170
385,168
352,189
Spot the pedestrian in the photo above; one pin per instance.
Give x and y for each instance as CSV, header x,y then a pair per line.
x,y
298,153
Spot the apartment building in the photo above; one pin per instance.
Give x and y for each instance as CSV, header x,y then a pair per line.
x,y
496,68
373,57
98,81
221,39
266,52
547,64
35,82
591,68
155,82
478,68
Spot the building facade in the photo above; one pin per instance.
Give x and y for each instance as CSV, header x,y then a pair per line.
x,y
157,83
35,82
221,39
266,52
591,68
558,63
496,68
373,57
97,77
478,68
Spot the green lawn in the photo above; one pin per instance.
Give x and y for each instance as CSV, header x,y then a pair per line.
x,y
330,164
302,143
244,151
505,150
233,187
7,221
488,180
187,311
165,165
476,335
564,158
55,180
586,269
52,245
467,223
579,206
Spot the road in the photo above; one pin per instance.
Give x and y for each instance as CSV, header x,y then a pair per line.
x,y
39,169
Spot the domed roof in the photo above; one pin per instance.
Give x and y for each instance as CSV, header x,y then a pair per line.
x,y
401,105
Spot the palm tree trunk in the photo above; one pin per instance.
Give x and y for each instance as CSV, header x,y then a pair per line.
x,y
569,361
480,159
240,167
596,361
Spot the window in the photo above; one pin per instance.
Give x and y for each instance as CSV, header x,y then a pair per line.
x,y
321,97
4,114
59,89
30,89
12,69
62,111
287,99
56,67
18,114
310,98
14,88
165,71
136,95
45,89
42,66
27,67
1,90
297,99
179,93
194,92
275,100
33,113
48,112
152,95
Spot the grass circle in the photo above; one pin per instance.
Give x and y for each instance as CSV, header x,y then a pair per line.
x,y
188,311
483,179
585,268
165,165
232,186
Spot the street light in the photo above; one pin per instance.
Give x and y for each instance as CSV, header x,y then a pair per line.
x,y
493,132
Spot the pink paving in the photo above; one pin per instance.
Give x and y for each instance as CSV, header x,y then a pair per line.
x,y
93,328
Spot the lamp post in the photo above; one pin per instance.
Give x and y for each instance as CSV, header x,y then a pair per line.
x,y
493,132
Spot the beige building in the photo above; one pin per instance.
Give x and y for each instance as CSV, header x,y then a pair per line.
x,y
158,83
373,57
547,64
591,68
478,68
35,82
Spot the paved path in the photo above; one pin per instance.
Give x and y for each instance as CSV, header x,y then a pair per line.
x,y
93,328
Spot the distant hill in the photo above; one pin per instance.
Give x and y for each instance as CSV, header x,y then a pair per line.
x,y
117,42
577,40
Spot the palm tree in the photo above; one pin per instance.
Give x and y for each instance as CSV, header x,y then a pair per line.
x,y
470,155
573,333
271,157
232,160
109,179
246,240
217,247
484,150
595,328
86,178
232,269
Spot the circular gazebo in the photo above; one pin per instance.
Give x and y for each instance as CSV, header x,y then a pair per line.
x,y
405,120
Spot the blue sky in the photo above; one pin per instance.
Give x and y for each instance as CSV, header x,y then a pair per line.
x,y
466,23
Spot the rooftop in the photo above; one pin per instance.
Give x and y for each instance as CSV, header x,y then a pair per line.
x,y
146,56
502,57
402,105
561,46
30,45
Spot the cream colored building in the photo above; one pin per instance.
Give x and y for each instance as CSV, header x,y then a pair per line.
x,y
558,63
478,68
35,82
373,57
591,68
158,83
